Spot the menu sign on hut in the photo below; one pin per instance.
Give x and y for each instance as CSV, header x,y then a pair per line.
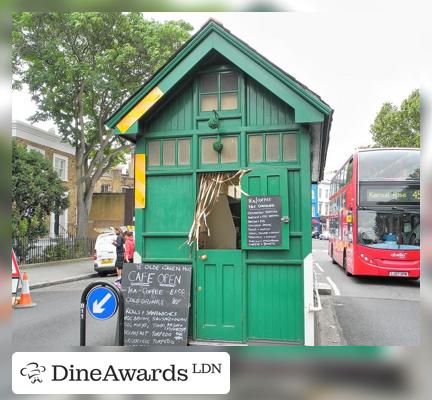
x,y
156,304
263,221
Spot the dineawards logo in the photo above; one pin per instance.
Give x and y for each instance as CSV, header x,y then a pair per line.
x,y
61,373
33,371
121,373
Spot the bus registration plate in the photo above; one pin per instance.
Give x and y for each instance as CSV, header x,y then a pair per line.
x,y
398,273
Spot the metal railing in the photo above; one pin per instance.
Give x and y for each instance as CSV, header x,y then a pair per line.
x,y
52,249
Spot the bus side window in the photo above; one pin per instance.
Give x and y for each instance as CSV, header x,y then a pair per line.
x,y
349,170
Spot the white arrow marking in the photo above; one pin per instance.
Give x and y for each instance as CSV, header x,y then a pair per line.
x,y
97,307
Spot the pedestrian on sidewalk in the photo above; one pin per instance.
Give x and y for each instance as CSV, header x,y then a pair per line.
x,y
129,247
120,251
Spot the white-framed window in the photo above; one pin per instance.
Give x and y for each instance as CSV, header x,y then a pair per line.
x,y
60,165
38,149
105,188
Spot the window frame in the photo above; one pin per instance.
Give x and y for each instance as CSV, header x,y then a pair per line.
x,y
176,155
219,162
219,93
280,160
65,159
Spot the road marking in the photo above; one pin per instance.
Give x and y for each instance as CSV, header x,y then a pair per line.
x,y
334,287
319,267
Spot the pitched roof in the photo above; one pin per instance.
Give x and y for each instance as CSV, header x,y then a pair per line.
x,y
309,107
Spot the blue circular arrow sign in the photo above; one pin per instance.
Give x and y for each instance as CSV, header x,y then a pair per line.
x,y
102,302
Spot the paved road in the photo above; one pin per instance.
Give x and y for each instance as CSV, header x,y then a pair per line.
x,y
371,311
55,322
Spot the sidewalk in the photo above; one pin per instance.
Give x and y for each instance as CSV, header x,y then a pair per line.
x,y
54,273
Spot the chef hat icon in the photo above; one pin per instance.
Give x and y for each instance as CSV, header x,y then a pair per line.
x,y
33,371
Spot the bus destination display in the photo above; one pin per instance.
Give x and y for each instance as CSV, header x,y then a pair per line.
x,y
391,195
264,221
156,304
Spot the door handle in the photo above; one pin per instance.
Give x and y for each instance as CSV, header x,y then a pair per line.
x,y
203,257
199,289
285,220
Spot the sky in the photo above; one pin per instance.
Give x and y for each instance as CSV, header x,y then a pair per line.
x,y
354,61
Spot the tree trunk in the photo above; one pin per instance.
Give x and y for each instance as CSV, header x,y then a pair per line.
x,y
82,218
85,189
82,209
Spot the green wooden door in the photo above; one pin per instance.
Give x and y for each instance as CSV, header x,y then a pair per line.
x,y
274,286
219,295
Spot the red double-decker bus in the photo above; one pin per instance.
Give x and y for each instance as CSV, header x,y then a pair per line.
x,y
375,213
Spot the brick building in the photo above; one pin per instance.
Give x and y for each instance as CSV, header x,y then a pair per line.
x,y
115,181
62,157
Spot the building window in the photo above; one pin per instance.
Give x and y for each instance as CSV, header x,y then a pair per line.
x,y
320,193
39,150
169,152
228,155
105,188
272,147
60,165
219,91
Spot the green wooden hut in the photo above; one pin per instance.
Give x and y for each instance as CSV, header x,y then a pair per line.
x,y
218,111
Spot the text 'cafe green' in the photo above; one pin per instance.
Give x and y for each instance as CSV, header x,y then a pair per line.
x,y
226,147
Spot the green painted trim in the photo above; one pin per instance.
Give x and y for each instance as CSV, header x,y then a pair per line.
x,y
223,131
275,262
167,260
296,234
205,115
168,171
165,234
194,282
243,150
212,36
194,250
306,196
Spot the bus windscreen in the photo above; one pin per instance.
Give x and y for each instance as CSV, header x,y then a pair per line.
x,y
389,165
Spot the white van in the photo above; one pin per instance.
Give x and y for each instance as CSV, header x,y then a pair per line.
x,y
105,254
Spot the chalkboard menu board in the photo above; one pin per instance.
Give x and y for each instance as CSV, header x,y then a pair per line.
x,y
156,304
263,221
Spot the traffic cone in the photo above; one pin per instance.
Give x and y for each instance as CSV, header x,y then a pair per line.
x,y
25,300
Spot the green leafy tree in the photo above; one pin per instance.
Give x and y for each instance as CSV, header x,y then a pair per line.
x,y
37,191
79,68
398,127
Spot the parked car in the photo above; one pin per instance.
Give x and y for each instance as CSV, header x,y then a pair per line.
x,y
324,236
315,234
105,254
